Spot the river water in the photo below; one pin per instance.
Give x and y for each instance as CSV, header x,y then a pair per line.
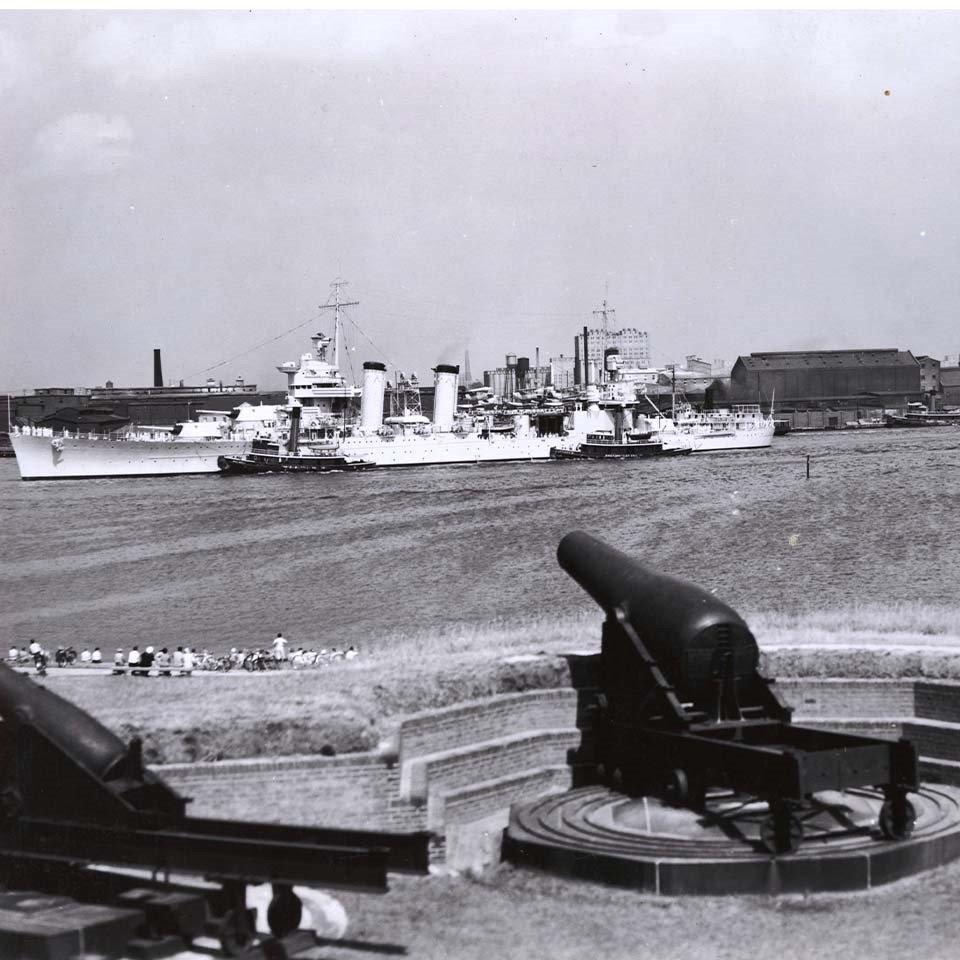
x,y
352,558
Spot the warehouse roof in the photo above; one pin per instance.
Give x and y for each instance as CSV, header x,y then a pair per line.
x,y
805,359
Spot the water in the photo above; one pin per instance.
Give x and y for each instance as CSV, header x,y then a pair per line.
x,y
351,558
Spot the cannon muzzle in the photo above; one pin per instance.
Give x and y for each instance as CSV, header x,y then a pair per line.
x,y
87,741
692,635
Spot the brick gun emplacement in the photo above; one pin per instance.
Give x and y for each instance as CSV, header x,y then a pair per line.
x,y
681,708
73,794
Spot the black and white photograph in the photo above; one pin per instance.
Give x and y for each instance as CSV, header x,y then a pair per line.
x,y
479,483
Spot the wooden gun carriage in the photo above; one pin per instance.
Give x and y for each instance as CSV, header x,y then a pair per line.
x,y
682,709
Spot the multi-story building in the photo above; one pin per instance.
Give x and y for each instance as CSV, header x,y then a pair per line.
x,y
950,386
929,375
633,346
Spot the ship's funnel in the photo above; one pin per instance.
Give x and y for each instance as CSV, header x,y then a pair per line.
x,y
157,368
293,439
371,401
445,395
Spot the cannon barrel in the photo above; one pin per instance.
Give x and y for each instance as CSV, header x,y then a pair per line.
x,y
685,628
74,731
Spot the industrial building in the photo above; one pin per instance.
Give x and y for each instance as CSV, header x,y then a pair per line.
x,y
828,388
949,386
517,376
591,346
110,406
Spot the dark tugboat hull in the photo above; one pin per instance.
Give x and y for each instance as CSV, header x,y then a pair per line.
x,y
260,464
617,451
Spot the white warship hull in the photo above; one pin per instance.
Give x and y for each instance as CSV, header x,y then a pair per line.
x,y
414,451
45,456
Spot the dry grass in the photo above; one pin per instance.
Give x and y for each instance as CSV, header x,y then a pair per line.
x,y
902,624
351,705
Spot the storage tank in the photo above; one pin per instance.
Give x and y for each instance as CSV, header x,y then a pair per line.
x,y
445,395
523,369
371,400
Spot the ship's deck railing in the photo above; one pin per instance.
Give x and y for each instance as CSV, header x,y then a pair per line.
x,y
159,433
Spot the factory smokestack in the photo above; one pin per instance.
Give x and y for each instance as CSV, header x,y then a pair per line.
x,y
157,368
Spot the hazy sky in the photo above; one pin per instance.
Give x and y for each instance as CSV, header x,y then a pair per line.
x,y
738,182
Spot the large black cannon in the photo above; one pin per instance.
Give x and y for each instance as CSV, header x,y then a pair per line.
x,y
681,708
73,794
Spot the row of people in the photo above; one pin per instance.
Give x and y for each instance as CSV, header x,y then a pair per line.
x,y
183,659
182,662
64,656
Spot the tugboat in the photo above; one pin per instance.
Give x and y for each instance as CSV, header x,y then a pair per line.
x,y
267,456
919,415
604,445
631,437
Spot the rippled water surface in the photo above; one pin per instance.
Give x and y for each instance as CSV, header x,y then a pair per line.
x,y
349,558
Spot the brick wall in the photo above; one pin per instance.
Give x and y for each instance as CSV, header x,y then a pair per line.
x,y
488,719
938,700
816,697
935,739
309,790
364,790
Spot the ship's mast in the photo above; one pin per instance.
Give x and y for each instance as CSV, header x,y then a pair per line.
x,y
336,305
604,311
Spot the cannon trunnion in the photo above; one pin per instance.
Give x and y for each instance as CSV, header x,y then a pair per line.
x,y
681,709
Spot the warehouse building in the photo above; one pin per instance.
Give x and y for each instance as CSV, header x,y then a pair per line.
x,y
828,388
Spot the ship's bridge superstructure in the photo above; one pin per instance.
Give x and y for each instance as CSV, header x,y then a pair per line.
x,y
315,383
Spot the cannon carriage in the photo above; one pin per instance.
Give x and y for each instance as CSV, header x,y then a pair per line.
x,y
72,795
681,711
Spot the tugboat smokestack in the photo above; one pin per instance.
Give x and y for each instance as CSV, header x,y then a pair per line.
x,y
294,438
157,368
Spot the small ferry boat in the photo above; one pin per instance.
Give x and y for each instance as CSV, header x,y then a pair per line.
x,y
742,426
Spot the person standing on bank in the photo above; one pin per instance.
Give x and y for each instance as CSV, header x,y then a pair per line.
x,y
280,648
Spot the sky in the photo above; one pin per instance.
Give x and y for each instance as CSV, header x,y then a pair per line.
x,y
728,182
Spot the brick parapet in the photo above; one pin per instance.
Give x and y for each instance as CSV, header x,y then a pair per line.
x,y
820,697
491,746
488,719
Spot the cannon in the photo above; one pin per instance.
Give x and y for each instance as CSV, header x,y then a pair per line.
x,y
682,711
73,794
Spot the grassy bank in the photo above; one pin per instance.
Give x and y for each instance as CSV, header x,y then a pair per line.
x,y
351,706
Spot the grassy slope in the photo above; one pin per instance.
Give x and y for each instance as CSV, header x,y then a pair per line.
x,y
350,706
